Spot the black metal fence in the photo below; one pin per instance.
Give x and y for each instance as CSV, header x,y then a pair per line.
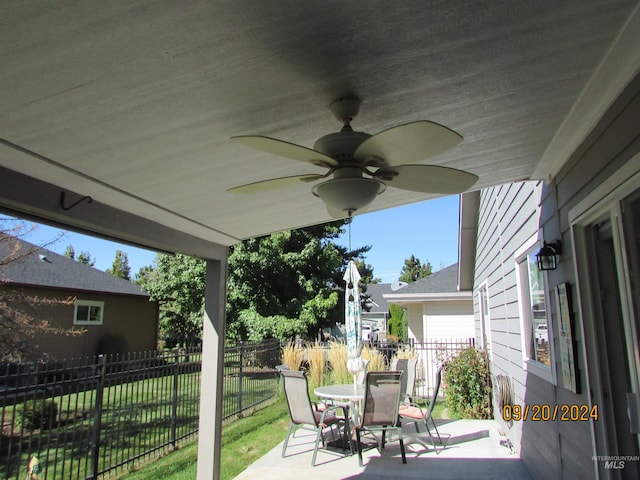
x,y
94,418
249,376
431,355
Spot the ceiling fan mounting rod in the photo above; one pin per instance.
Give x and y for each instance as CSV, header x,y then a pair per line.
x,y
345,109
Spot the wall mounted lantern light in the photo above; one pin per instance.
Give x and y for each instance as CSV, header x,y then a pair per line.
x,y
547,257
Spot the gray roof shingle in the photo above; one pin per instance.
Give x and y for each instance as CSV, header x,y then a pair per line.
x,y
375,292
442,281
43,268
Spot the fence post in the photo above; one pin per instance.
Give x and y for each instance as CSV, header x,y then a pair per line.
x,y
240,377
100,372
174,405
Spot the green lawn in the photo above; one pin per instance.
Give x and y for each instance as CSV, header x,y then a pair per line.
x,y
243,442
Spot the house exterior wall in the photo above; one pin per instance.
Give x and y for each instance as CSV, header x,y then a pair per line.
x,y
132,317
508,219
414,318
439,320
508,216
448,319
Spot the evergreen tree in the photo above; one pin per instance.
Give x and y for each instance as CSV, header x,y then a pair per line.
x,y
278,286
120,267
414,270
85,257
366,272
287,283
398,323
69,252
143,274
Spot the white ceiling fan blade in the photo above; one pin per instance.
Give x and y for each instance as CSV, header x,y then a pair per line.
x,y
286,149
427,178
274,184
408,143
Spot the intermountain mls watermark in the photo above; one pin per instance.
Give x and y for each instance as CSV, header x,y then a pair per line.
x,y
615,462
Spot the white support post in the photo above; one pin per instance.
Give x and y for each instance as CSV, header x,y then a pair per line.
x,y
213,333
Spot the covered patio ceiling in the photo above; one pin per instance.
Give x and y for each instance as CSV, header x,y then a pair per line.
x,y
133,102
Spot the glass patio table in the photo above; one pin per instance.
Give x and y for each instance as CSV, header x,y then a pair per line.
x,y
344,391
349,398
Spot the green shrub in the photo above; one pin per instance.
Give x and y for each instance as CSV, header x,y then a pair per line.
x,y
37,414
467,384
398,324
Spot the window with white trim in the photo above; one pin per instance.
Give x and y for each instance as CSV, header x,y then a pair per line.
x,y
533,308
88,312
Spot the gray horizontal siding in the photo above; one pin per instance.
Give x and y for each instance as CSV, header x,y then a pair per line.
x,y
509,217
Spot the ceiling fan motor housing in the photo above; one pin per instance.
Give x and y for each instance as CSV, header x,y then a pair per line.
x,y
340,146
349,191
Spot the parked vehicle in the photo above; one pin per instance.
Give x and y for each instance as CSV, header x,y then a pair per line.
x,y
366,333
542,333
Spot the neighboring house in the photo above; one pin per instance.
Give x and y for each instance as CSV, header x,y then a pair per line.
x,y
436,308
565,340
376,308
104,305
437,312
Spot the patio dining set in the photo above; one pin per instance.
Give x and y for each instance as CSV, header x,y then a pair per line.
x,y
362,415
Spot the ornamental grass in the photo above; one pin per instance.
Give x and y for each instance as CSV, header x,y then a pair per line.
x,y
376,359
337,356
316,358
405,352
292,356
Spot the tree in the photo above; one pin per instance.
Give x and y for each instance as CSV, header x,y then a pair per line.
x,y
19,322
414,270
366,272
120,267
287,283
143,274
366,278
85,257
177,283
69,252
398,322
278,286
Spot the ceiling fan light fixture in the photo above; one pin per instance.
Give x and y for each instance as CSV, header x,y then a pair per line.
x,y
349,194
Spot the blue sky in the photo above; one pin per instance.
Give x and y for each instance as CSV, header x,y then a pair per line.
x,y
428,230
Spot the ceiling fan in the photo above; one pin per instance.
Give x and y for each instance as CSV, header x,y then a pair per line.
x,y
364,165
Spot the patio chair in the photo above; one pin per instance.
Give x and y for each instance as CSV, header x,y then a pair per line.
x,y
413,412
408,367
380,410
304,414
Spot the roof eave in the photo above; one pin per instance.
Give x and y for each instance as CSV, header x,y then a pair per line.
x,y
427,297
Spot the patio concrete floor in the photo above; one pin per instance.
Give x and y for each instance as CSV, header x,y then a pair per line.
x,y
472,451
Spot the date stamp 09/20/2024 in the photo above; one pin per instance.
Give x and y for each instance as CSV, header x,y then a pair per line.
x,y
564,413
550,413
